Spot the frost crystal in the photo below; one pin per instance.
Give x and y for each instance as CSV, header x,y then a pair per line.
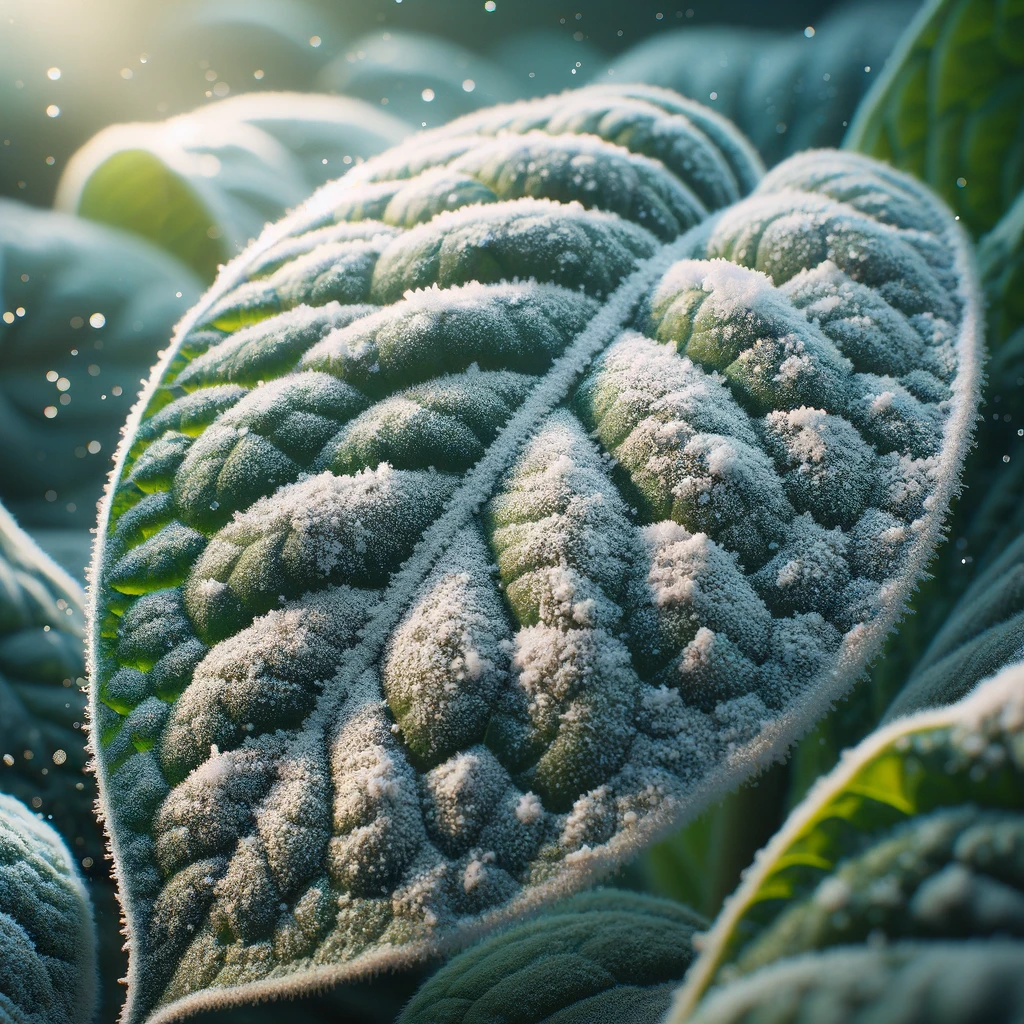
x,y
493,514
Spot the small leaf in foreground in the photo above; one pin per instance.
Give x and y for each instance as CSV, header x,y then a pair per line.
x,y
912,841
47,942
607,955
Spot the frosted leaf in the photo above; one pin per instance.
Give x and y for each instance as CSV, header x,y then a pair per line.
x,y
48,970
488,558
906,856
599,956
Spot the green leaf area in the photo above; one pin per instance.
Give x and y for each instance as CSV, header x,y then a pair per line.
x,y
598,958
903,867
203,185
947,107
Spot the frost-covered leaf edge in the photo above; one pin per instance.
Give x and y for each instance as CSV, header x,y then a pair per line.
x,y
987,697
746,761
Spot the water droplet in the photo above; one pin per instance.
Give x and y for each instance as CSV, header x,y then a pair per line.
x,y
468,85
809,31
53,110
427,95
97,320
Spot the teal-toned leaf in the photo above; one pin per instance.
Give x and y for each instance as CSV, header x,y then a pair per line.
x,y
540,61
912,841
898,983
521,494
786,91
421,78
947,106
604,956
42,702
203,185
47,941
87,310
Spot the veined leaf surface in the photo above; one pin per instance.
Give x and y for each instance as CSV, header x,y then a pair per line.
x,y
496,512
947,106
47,941
889,866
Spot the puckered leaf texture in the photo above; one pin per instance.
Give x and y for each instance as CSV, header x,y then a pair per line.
x,y
895,891
598,958
524,491
47,944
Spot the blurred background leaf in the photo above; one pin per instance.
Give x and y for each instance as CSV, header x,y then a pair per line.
x,y
83,312
203,185
787,91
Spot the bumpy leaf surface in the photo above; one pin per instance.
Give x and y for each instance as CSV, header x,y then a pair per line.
x,y
42,704
599,958
913,840
496,512
898,983
66,385
47,945
787,92
947,106
203,185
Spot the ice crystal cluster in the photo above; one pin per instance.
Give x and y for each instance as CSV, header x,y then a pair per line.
x,y
47,945
495,511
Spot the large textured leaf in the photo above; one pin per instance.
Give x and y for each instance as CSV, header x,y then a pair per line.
x,y
913,840
203,185
47,945
424,79
88,309
604,956
947,106
495,513
786,91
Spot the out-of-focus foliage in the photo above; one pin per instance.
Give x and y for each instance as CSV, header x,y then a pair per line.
x,y
912,841
599,958
42,703
47,941
786,91
85,311
423,79
204,184
947,107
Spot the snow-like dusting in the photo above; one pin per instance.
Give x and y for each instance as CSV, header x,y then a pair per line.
x,y
508,534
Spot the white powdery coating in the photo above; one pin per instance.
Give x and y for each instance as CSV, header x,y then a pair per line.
x,y
443,818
